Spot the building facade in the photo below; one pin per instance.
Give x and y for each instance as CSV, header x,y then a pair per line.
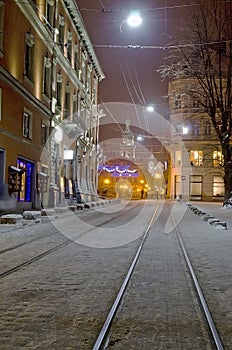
x,y
49,116
196,165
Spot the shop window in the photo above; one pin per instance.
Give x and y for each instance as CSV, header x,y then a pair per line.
x,y
47,76
218,186
177,183
27,125
217,158
26,186
196,158
29,56
2,11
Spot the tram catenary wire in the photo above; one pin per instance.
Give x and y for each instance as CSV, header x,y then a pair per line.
x,y
53,249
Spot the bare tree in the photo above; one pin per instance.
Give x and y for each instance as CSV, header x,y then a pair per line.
x,y
202,53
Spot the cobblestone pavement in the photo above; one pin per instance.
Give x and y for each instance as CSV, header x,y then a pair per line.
x,y
60,301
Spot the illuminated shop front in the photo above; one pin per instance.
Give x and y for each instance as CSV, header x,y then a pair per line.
x,y
25,195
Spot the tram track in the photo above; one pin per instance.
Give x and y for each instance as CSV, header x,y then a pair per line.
x,y
103,338
58,246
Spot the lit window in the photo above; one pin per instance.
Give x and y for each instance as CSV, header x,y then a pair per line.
x,y
27,125
217,158
196,158
1,26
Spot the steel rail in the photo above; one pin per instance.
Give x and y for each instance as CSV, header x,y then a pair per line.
x,y
53,249
200,294
106,326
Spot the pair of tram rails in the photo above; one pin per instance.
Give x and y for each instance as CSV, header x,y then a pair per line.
x,y
102,337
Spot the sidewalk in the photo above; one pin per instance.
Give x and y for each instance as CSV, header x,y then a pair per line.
x,y
215,209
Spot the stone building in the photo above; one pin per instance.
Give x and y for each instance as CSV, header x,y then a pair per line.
x,y
49,116
196,171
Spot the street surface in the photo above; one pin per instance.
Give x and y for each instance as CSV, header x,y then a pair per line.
x,y
59,298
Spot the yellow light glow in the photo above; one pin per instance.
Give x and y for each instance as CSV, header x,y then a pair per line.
x,y
106,181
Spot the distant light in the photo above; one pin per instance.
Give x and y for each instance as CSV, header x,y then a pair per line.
x,y
139,138
150,108
68,154
134,20
185,130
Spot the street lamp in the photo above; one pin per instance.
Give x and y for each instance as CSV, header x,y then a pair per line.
x,y
150,108
134,20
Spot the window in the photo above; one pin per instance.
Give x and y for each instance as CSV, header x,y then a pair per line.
x,y
69,47
196,102
27,125
59,89
83,69
217,158
76,57
75,105
47,76
2,8
67,102
207,128
177,102
29,56
218,186
49,13
43,134
177,159
61,32
196,187
196,158
195,128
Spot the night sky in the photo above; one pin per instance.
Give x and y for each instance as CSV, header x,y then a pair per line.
x,y
131,72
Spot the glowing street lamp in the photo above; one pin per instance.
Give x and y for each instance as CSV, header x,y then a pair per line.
x,y
134,20
150,108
